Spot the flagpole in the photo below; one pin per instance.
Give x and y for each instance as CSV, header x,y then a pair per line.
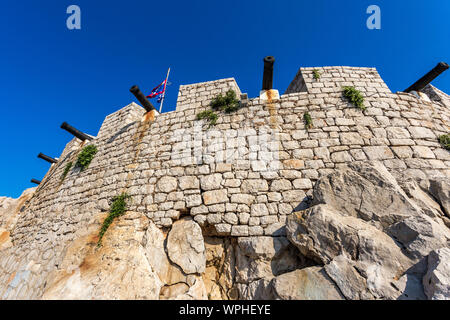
x,y
164,92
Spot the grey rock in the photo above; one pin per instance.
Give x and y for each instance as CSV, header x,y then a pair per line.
x,y
440,189
185,246
436,281
306,284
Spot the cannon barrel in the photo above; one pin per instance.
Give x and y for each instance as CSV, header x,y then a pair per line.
x,y
142,99
430,76
80,135
47,158
268,73
35,181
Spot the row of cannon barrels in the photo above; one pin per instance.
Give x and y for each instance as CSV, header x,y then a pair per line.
x,y
267,84
75,132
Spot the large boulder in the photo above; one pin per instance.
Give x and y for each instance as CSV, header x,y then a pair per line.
x,y
258,260
440,189
366,191
371,232
437,279
119,269
186,247
306,284
10,210
323,234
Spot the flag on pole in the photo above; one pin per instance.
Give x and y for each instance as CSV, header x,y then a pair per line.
x,y
158,91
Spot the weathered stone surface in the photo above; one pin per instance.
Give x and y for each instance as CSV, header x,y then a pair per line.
x,y
371,237
440,189
263,258
351,138
378,153
426,201
9,215
189,182
167,184
350,283
118,270
185,246
281,185
254,186
423,152
367,191
397,133
259,210
215,196
419,235
242,198
211,182
436,281
306,284
168,273
421,133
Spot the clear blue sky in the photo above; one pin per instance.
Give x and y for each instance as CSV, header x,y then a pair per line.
x,y
49,74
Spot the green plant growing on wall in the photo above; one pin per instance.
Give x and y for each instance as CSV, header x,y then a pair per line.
x,y
117,209
85,157
66,170
227,103
308,120
316,74
445,141
354,96
209,115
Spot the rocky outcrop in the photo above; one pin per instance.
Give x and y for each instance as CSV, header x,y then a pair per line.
x,y
10,210
311,283
371,237
259,260
185,246
437,279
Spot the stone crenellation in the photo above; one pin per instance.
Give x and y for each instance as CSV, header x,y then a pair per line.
x,y
241,177
200,94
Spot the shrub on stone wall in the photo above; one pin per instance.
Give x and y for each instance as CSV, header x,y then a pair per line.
x,y
209,115
66,170
85,157
227,103
117,209
354,96
316,74
308,120
445,141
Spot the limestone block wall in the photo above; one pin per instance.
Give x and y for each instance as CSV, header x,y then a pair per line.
x,y
332,79
241,177
244,175
200,94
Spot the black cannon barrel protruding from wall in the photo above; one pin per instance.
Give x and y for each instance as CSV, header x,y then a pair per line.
x,y
142,99
47,158
268,73
77,133
430,76
35,181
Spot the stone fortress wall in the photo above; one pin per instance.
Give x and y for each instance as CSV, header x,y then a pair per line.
x,y
241,177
